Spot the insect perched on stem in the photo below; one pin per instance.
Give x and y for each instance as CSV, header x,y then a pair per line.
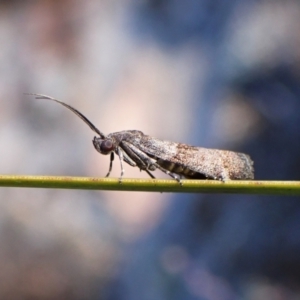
x,y
175,159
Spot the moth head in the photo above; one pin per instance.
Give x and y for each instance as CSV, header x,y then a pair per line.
x,y
104,146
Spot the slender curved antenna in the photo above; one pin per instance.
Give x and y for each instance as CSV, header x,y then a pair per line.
x,y
75,111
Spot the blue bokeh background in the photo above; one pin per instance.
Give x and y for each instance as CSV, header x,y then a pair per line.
x,y
221,74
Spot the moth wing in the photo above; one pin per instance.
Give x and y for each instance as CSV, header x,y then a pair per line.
x,y
175,157
198,162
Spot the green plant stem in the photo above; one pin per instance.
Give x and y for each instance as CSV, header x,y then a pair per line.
x,y
153,185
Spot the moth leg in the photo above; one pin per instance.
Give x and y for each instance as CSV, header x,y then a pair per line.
x,y
150,174
140,157
143,161
128,160
176,177
112,156
124,156
120,153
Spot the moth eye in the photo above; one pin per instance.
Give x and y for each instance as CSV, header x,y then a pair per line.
x,y
107,146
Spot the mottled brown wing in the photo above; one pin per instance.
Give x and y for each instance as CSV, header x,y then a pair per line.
x,y
197,162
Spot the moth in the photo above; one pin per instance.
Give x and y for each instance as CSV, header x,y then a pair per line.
x,y
175,159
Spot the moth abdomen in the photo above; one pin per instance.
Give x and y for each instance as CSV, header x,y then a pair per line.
x,y
180,169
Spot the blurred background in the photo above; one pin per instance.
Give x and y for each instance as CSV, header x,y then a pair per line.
x,y
220,74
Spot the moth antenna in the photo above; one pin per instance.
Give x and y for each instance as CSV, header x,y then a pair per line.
x,y
75,111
